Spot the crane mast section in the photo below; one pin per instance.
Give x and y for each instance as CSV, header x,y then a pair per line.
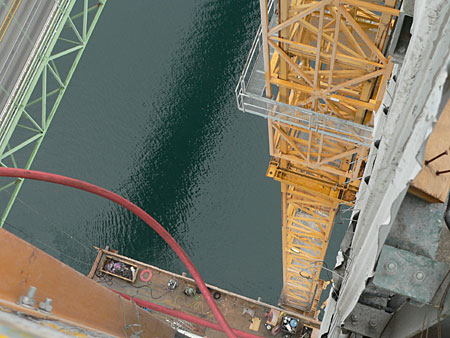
x,y
318,73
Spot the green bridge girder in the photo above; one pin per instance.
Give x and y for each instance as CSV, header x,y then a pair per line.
x,y
36,102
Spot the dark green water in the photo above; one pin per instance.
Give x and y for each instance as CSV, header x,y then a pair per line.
x,y
151,114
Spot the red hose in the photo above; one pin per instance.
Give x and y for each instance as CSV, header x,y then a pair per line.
x,y
184,316
81,185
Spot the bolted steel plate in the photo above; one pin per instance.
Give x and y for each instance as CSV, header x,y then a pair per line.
x,y
408,274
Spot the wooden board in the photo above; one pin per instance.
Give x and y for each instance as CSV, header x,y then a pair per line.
x,y
427,185
255,324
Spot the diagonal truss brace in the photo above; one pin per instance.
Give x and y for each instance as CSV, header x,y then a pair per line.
x,y
45,68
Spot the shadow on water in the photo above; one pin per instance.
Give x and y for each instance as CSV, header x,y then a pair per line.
x,y
190,121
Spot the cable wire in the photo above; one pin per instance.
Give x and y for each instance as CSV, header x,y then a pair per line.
x,y
48,246
90,249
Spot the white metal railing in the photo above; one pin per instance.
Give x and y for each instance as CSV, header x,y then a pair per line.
x,y
256,103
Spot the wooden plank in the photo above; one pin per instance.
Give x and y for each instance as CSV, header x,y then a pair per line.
x,y
94,266
427,185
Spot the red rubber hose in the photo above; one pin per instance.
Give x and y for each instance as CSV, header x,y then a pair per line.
x,y
184,316
81,185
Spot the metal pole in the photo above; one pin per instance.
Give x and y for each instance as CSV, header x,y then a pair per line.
x,y
266,51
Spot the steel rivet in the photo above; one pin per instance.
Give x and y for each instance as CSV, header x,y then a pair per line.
x,y
372,323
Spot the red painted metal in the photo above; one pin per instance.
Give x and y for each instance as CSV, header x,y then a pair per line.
x,y
184,316
149,275
81,185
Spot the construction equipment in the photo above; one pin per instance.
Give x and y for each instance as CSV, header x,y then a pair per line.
x,y
318,72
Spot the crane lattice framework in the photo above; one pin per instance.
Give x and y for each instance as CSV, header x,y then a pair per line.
x,y
325,75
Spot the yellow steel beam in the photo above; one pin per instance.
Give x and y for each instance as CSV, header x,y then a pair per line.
x,y
327,57
308,224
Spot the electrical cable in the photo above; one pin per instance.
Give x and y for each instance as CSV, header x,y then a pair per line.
x,y
109,281
151,293
48,246
315,266
150,287
81,185
131,327
49,221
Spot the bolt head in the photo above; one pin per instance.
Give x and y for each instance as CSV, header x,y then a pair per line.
x,y
27,301
420,276
391,266
46,306
372,323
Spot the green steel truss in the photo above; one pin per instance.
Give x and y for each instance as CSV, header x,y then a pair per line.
x,y
36,102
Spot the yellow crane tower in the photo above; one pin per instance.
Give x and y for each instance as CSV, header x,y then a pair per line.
x,y
325,68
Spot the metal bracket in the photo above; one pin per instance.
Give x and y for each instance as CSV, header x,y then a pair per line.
x,y
417,227
367,320
408,274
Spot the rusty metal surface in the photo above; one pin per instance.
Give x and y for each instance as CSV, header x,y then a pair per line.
x,y
239,311
76,298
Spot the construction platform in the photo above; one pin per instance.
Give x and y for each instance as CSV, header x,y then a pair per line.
x,y
242,313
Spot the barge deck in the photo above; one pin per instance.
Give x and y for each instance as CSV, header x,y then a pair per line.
x,y
178,292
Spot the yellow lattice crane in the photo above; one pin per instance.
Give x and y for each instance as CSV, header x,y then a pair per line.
x,y
325,75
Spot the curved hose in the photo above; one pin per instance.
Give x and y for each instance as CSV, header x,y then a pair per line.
x,y
81,185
